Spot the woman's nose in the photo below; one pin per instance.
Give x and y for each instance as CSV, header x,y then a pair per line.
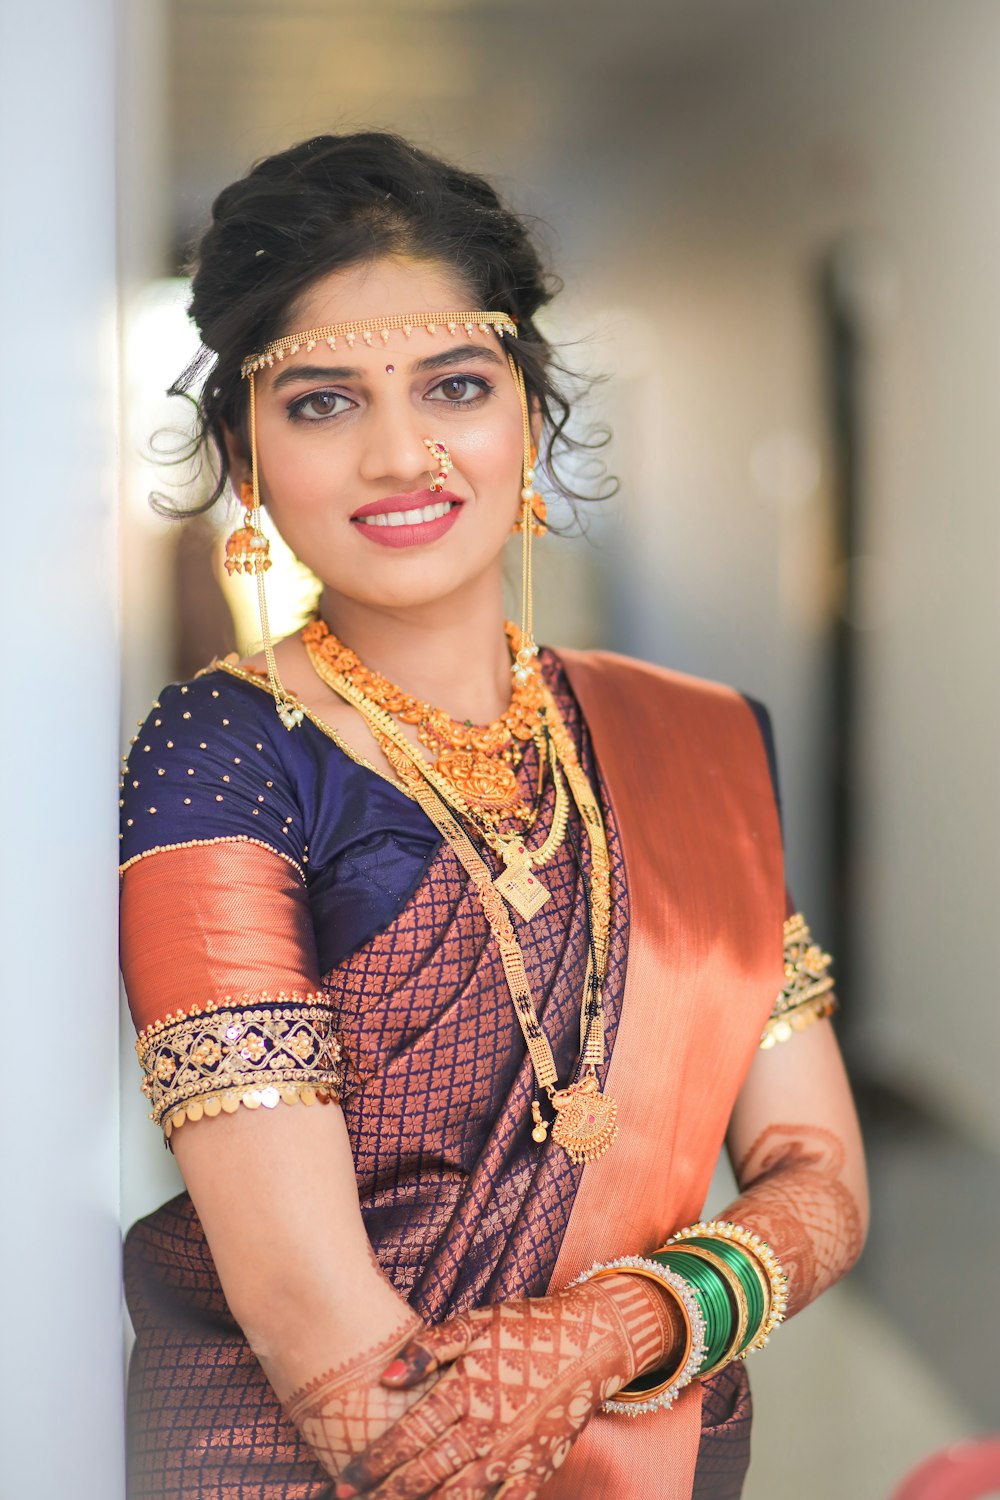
x,y
393,447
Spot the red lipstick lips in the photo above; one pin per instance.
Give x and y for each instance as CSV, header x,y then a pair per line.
x,y
409,520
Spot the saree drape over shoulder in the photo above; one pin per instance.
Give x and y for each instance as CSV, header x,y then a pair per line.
x,y
262,862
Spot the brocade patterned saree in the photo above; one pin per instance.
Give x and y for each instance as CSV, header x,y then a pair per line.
x,y
258,862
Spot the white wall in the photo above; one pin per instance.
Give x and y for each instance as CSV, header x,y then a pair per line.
x,y
60,1376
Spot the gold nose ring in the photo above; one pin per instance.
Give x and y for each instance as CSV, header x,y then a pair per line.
x,y
439,453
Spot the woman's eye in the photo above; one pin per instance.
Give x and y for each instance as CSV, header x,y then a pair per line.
x,y
461,390
318,404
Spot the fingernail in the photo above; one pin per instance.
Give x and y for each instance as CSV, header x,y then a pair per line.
x,y
345,1491
395,1371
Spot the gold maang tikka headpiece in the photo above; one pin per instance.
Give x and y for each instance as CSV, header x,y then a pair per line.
x,y
250,553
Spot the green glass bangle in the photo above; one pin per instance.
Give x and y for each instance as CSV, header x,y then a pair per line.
x,y
713,1297
750,1279
705,1286
720,1320
739,1308
764,1260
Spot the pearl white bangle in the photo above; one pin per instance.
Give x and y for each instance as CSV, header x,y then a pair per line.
x,y
663,1396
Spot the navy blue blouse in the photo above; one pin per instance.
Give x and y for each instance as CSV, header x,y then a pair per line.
x,y
213,761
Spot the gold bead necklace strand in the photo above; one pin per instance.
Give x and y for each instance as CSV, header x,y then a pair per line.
x,y
585,1119
478,760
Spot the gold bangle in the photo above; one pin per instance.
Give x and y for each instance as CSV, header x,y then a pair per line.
x,y
660,1397
647,1395
765,1285
761,1253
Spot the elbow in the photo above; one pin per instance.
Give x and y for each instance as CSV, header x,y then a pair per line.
x,y
856,1216
864,1218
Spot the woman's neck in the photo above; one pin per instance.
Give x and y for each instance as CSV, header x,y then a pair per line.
x,y
451,653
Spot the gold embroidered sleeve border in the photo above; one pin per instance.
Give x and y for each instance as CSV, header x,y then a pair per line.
x,y
254,1051
807,995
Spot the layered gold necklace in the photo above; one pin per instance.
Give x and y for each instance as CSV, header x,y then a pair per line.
x,y
585,1120
477,762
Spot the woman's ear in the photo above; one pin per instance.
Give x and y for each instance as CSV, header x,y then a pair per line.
x,y
237,457
535,418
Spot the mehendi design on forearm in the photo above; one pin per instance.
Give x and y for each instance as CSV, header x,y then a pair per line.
x,y
794,1195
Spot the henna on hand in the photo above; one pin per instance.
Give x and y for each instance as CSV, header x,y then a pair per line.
x,y
794,1196
523,1379
342,1411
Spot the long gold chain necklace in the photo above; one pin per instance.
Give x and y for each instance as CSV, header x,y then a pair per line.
x,y
585,1119
478,761
517,882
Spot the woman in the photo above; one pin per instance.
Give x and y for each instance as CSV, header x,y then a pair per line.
x,y
513,918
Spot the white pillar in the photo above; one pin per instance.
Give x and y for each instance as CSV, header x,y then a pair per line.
x,y
61,1371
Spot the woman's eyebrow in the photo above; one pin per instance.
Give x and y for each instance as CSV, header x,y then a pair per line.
x,y
448,357
314,372
457,356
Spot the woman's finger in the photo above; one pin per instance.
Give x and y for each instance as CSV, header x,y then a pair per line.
x,y
417,1430
436,1345
517,1475
425,1475
523,1488
478,1480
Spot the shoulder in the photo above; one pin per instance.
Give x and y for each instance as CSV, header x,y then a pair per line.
x,y
611,673
205,719
645,696
211,760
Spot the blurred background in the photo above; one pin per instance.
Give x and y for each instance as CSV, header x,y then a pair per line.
x,y
778,228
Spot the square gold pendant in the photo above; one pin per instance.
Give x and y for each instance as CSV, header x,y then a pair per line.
x,y
521,889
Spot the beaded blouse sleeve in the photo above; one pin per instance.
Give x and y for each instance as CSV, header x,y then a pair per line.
x,y
217,945
807,994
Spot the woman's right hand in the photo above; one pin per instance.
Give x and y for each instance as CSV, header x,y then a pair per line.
x,y
342,1411
519,1381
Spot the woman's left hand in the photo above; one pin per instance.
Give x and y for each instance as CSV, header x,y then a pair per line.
x,y
523,1379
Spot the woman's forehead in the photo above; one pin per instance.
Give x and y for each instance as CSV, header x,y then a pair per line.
x,y
316,361
367,306
372,289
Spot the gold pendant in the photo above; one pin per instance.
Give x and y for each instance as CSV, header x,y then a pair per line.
x,y
518,884
586,1120
484,781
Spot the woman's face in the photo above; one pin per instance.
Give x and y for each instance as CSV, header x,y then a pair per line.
x,y
340,441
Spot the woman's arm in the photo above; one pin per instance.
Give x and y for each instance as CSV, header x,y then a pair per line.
x,y
796,1149
276,1195
219,958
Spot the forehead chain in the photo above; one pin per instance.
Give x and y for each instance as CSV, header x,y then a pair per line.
x,y
366,328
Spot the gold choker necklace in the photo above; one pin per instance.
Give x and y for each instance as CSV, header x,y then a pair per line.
x,y
476,762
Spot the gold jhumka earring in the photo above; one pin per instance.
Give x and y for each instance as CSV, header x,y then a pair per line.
x,y
530,523
247,548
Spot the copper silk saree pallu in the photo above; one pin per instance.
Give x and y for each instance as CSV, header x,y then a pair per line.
x,y
461,1207
699,832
